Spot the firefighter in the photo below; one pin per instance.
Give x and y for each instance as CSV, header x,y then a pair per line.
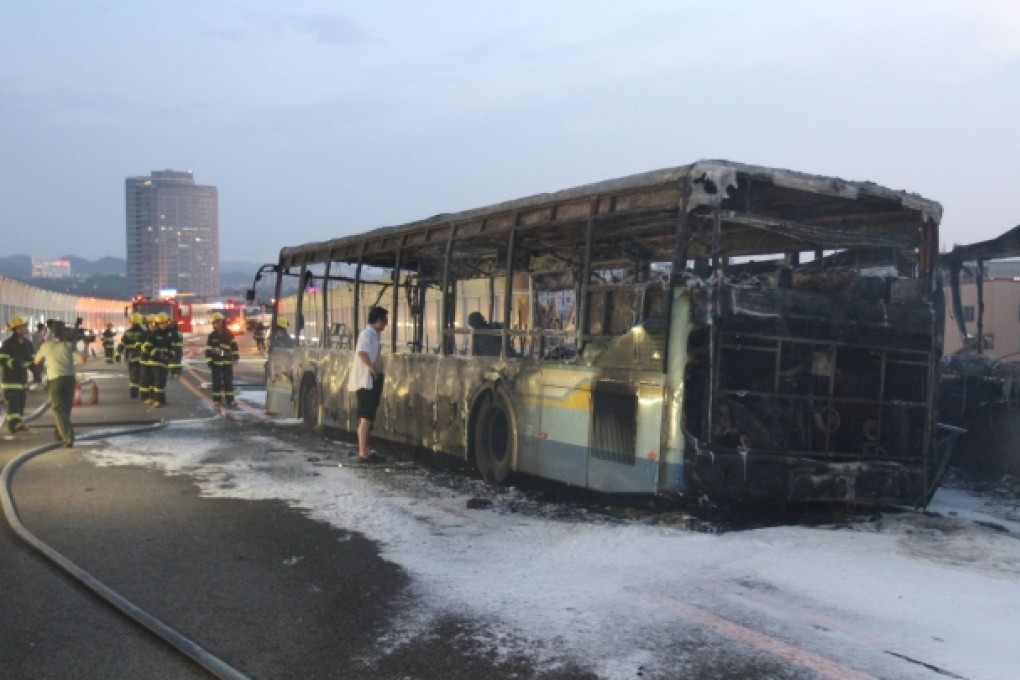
x,y
221,354
130,348
109,335
259,332
177,349
280,337
16,355
157,350
145,359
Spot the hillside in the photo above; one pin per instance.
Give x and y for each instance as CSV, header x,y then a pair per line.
x,y
20,267
105,277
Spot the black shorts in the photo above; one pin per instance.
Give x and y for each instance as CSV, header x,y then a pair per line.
x,y
368,400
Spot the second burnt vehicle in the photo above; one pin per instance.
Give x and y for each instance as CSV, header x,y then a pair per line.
x,y
748,332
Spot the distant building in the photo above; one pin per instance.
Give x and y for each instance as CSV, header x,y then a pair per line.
x,y
173,234
51,269
1001,299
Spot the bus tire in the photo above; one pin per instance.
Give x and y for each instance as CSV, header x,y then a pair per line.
x,y
309,402
495,436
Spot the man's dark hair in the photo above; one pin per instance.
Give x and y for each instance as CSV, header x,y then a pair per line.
x,y
476,320
377,314
58,329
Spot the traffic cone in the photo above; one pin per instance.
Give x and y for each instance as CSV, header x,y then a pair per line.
x,y
94,393
77,395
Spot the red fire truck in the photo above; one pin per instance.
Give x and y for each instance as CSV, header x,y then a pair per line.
x,y
173,308
233,314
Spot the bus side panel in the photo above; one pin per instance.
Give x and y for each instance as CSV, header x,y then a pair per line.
x,y
564,418
285,375
648,450
339,405
417,408
460,381
407,411
280,387
626,422
527,396
671,463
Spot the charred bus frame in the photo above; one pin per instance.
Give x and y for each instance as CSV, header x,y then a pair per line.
x,y
748,332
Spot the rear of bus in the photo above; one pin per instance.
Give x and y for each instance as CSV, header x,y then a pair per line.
x,y
816,332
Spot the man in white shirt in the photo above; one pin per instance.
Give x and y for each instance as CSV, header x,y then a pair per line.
x,y
367,378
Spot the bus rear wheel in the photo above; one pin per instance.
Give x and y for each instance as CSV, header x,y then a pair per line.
x,y
495,437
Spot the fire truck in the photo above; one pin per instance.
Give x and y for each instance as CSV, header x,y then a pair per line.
x,y
233,314
174,309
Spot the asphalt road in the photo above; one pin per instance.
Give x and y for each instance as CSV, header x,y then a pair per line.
x,y
215,570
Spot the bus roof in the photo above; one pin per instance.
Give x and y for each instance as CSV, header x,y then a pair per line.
x,y
762,210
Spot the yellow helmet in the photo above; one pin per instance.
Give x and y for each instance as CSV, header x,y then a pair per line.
x,y
162,317
214,317
281,322
16,321
136,317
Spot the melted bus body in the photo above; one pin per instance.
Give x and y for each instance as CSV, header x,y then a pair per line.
x,y
746,332
173,308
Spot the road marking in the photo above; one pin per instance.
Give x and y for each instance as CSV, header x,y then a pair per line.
x,y
770,645
207,400
825,622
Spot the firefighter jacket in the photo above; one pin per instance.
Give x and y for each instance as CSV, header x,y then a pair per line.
x,y
108,337
157,347
177,345
221,349
130,346
15,359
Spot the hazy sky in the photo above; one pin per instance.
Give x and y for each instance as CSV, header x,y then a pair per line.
x,y
320,119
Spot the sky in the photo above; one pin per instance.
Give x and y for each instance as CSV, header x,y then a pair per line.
x,y
318,119
875,598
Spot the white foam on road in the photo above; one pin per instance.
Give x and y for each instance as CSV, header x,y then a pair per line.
x,y
616,597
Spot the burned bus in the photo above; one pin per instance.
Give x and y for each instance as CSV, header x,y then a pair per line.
x,y
744,332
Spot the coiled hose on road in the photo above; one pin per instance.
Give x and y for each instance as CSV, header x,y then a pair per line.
x,y
206,660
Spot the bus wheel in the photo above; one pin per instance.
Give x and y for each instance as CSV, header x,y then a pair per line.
x,y
309,402
495,437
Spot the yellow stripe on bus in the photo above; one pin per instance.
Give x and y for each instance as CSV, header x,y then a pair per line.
x,y
575,398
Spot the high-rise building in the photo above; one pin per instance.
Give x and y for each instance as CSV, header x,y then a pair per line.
x,y
173,235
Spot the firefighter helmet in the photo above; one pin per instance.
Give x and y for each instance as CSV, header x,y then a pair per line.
x,y
214,317
162,317
281,322
16,321
136,317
